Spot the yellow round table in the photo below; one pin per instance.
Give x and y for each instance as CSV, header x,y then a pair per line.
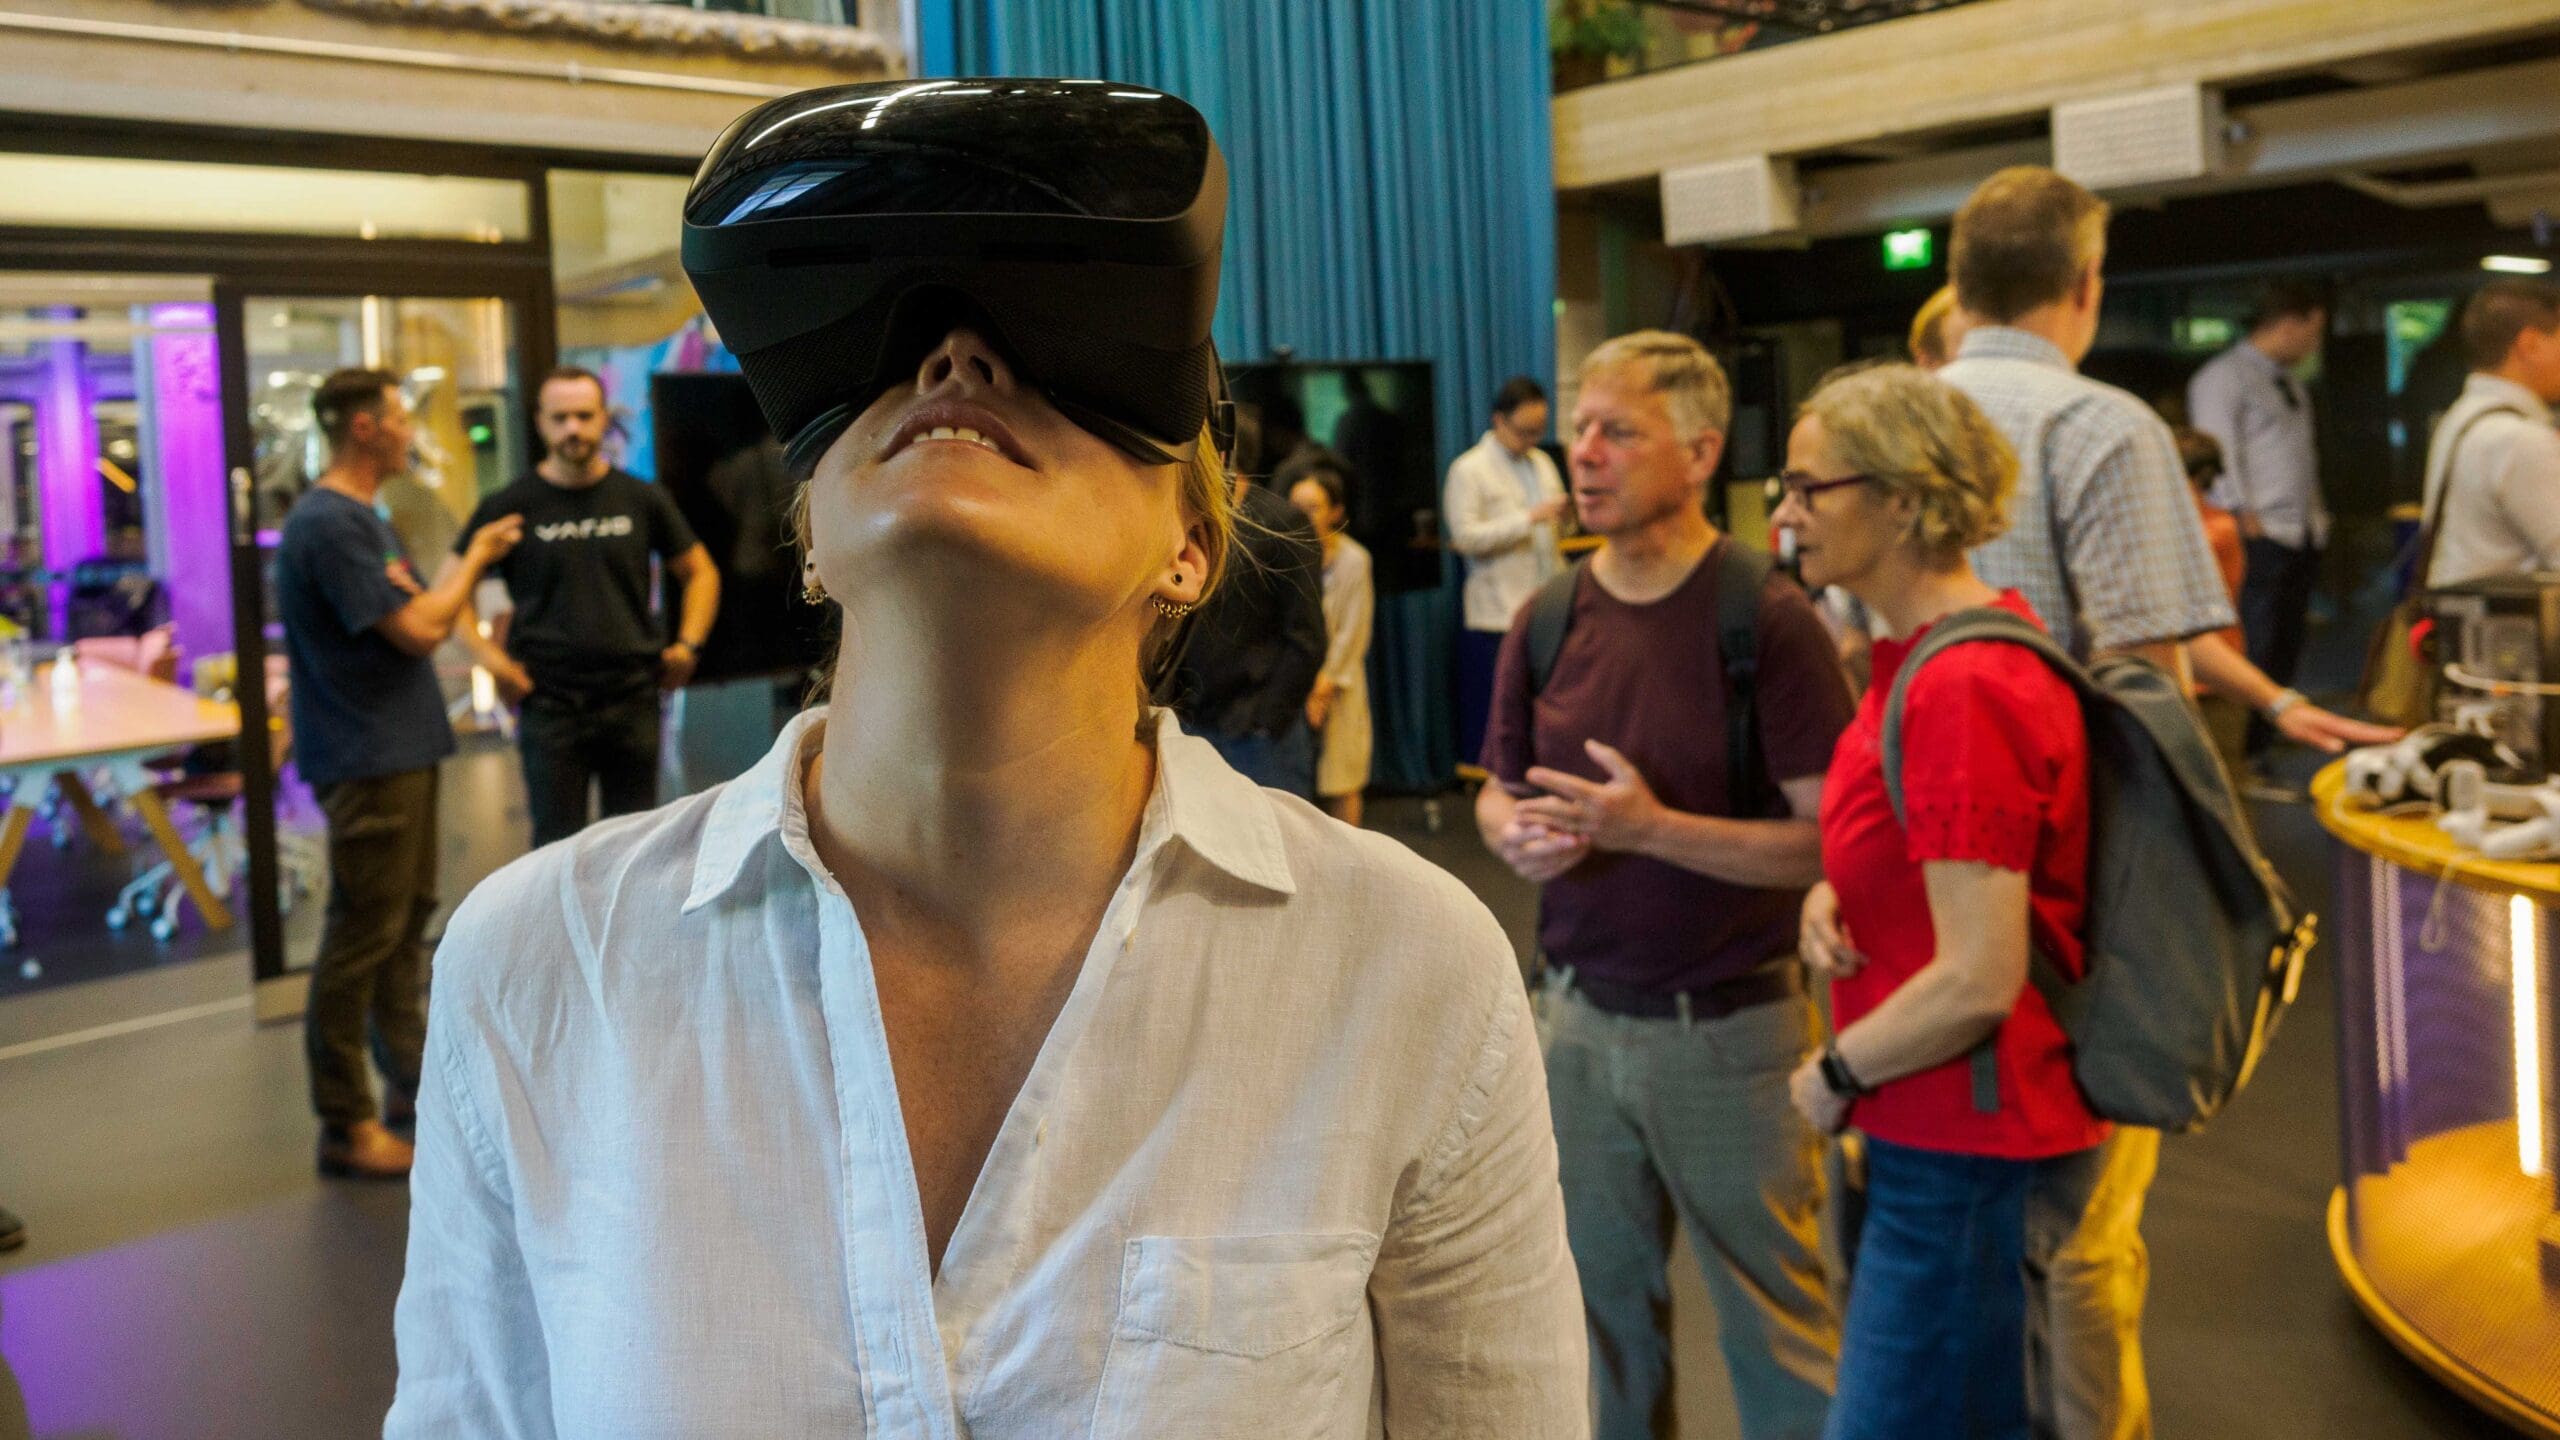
x,y
2444,1227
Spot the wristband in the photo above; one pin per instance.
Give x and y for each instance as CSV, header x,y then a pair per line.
x,y
1836,1075
2282,701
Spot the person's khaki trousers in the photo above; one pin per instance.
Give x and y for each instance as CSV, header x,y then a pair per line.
x,y
2087,1274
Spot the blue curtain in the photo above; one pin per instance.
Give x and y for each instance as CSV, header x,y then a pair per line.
x,y
1390,198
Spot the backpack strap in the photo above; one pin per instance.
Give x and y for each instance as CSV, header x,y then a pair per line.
x,y
1550,616
1983,623
1742,572
2433,527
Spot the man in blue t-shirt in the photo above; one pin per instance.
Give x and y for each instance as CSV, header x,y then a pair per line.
x,y
369,728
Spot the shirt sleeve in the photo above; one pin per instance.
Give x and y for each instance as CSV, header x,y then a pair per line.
x,y
1297,564
481,514
1478,1311
2132,543
1802,695
471,1353
1510,734
1482,520
347,564
2214,406
1983,739
2528,491
670,534
1346,658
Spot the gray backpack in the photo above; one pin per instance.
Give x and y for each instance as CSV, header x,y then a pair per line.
x,y
2194,946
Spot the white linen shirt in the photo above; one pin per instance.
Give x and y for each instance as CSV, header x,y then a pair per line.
x,y
1487,501
1282,1168
2503,515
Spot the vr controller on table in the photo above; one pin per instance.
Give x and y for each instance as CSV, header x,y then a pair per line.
x,y
2449,769
2407,775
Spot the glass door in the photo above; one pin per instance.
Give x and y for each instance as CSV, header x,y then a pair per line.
x,y
461,361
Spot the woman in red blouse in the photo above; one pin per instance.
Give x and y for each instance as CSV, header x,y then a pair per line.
x,y
1925,931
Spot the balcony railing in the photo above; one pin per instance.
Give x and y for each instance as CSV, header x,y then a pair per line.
x,y
1599,40
823,12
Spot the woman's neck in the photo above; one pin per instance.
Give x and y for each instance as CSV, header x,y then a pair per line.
x,y
1910,594
975,778
1332,545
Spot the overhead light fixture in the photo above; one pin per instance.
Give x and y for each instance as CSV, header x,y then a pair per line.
x,y
2516,264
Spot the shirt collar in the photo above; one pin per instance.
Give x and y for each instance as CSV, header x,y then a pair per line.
x,y
1198,799
2001,342
2500,388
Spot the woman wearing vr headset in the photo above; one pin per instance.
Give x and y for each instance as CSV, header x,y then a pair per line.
x,y
991,1059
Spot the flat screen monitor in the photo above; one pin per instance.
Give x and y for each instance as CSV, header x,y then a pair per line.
x,y
724,470
1377,419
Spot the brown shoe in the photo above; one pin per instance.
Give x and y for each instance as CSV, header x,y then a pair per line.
x,y
364,1151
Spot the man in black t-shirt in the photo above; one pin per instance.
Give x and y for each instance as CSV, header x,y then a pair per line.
x,y
585,658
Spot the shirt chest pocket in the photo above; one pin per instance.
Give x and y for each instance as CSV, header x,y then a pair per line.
x,y
1245,1336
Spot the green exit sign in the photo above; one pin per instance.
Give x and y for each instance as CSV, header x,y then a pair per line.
x,y
1909,249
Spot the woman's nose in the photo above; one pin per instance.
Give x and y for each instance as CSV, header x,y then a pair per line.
x,y
968,353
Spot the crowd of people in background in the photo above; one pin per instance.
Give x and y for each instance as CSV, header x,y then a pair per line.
x,y
1684,745
1691,869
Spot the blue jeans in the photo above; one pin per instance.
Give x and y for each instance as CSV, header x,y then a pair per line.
x,y
1935,1343
1286,761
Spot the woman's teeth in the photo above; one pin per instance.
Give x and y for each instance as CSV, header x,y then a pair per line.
x,y
960,432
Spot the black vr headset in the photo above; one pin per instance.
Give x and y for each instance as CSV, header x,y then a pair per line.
x,y
836,235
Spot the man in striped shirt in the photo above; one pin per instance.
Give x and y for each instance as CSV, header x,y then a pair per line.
x,y
2106,544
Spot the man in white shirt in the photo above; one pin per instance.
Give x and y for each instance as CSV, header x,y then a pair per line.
x,y
2248,399
2496,449
1503,501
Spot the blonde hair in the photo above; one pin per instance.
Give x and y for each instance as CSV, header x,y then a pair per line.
x,y
1679,369
1929,329
1204,495
1917,436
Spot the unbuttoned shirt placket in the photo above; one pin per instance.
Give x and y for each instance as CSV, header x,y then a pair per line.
x,y
915,1330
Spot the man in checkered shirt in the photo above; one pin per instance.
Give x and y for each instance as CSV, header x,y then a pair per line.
x,y
2105,542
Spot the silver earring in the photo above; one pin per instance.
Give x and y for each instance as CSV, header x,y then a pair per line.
x,y
1169,610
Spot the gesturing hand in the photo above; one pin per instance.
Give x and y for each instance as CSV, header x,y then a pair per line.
x,y
1822,939
1619,813
1538,853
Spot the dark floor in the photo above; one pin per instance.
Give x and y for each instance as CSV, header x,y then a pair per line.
x,y
189,1279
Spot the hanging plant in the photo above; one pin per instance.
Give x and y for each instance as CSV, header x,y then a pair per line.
x,y
1583,36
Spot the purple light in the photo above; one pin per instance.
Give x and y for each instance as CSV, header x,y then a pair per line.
x,y
73,507
187,419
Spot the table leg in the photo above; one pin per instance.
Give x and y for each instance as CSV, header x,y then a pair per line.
x,y
155,814
13,839
94,821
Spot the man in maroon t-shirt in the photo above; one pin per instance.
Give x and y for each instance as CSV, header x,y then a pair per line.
x,y
1674,1006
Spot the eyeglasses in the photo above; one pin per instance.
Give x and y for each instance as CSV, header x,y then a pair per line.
x,y
1798,486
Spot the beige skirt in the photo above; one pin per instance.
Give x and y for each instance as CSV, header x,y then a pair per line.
x,y
1343,768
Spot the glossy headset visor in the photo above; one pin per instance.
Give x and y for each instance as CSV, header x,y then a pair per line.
x,y
835,233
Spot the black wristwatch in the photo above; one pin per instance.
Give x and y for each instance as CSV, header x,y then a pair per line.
x,y
1836,1075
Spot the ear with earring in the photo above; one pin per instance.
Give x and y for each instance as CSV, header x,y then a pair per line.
x,y
1170,609
812,590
